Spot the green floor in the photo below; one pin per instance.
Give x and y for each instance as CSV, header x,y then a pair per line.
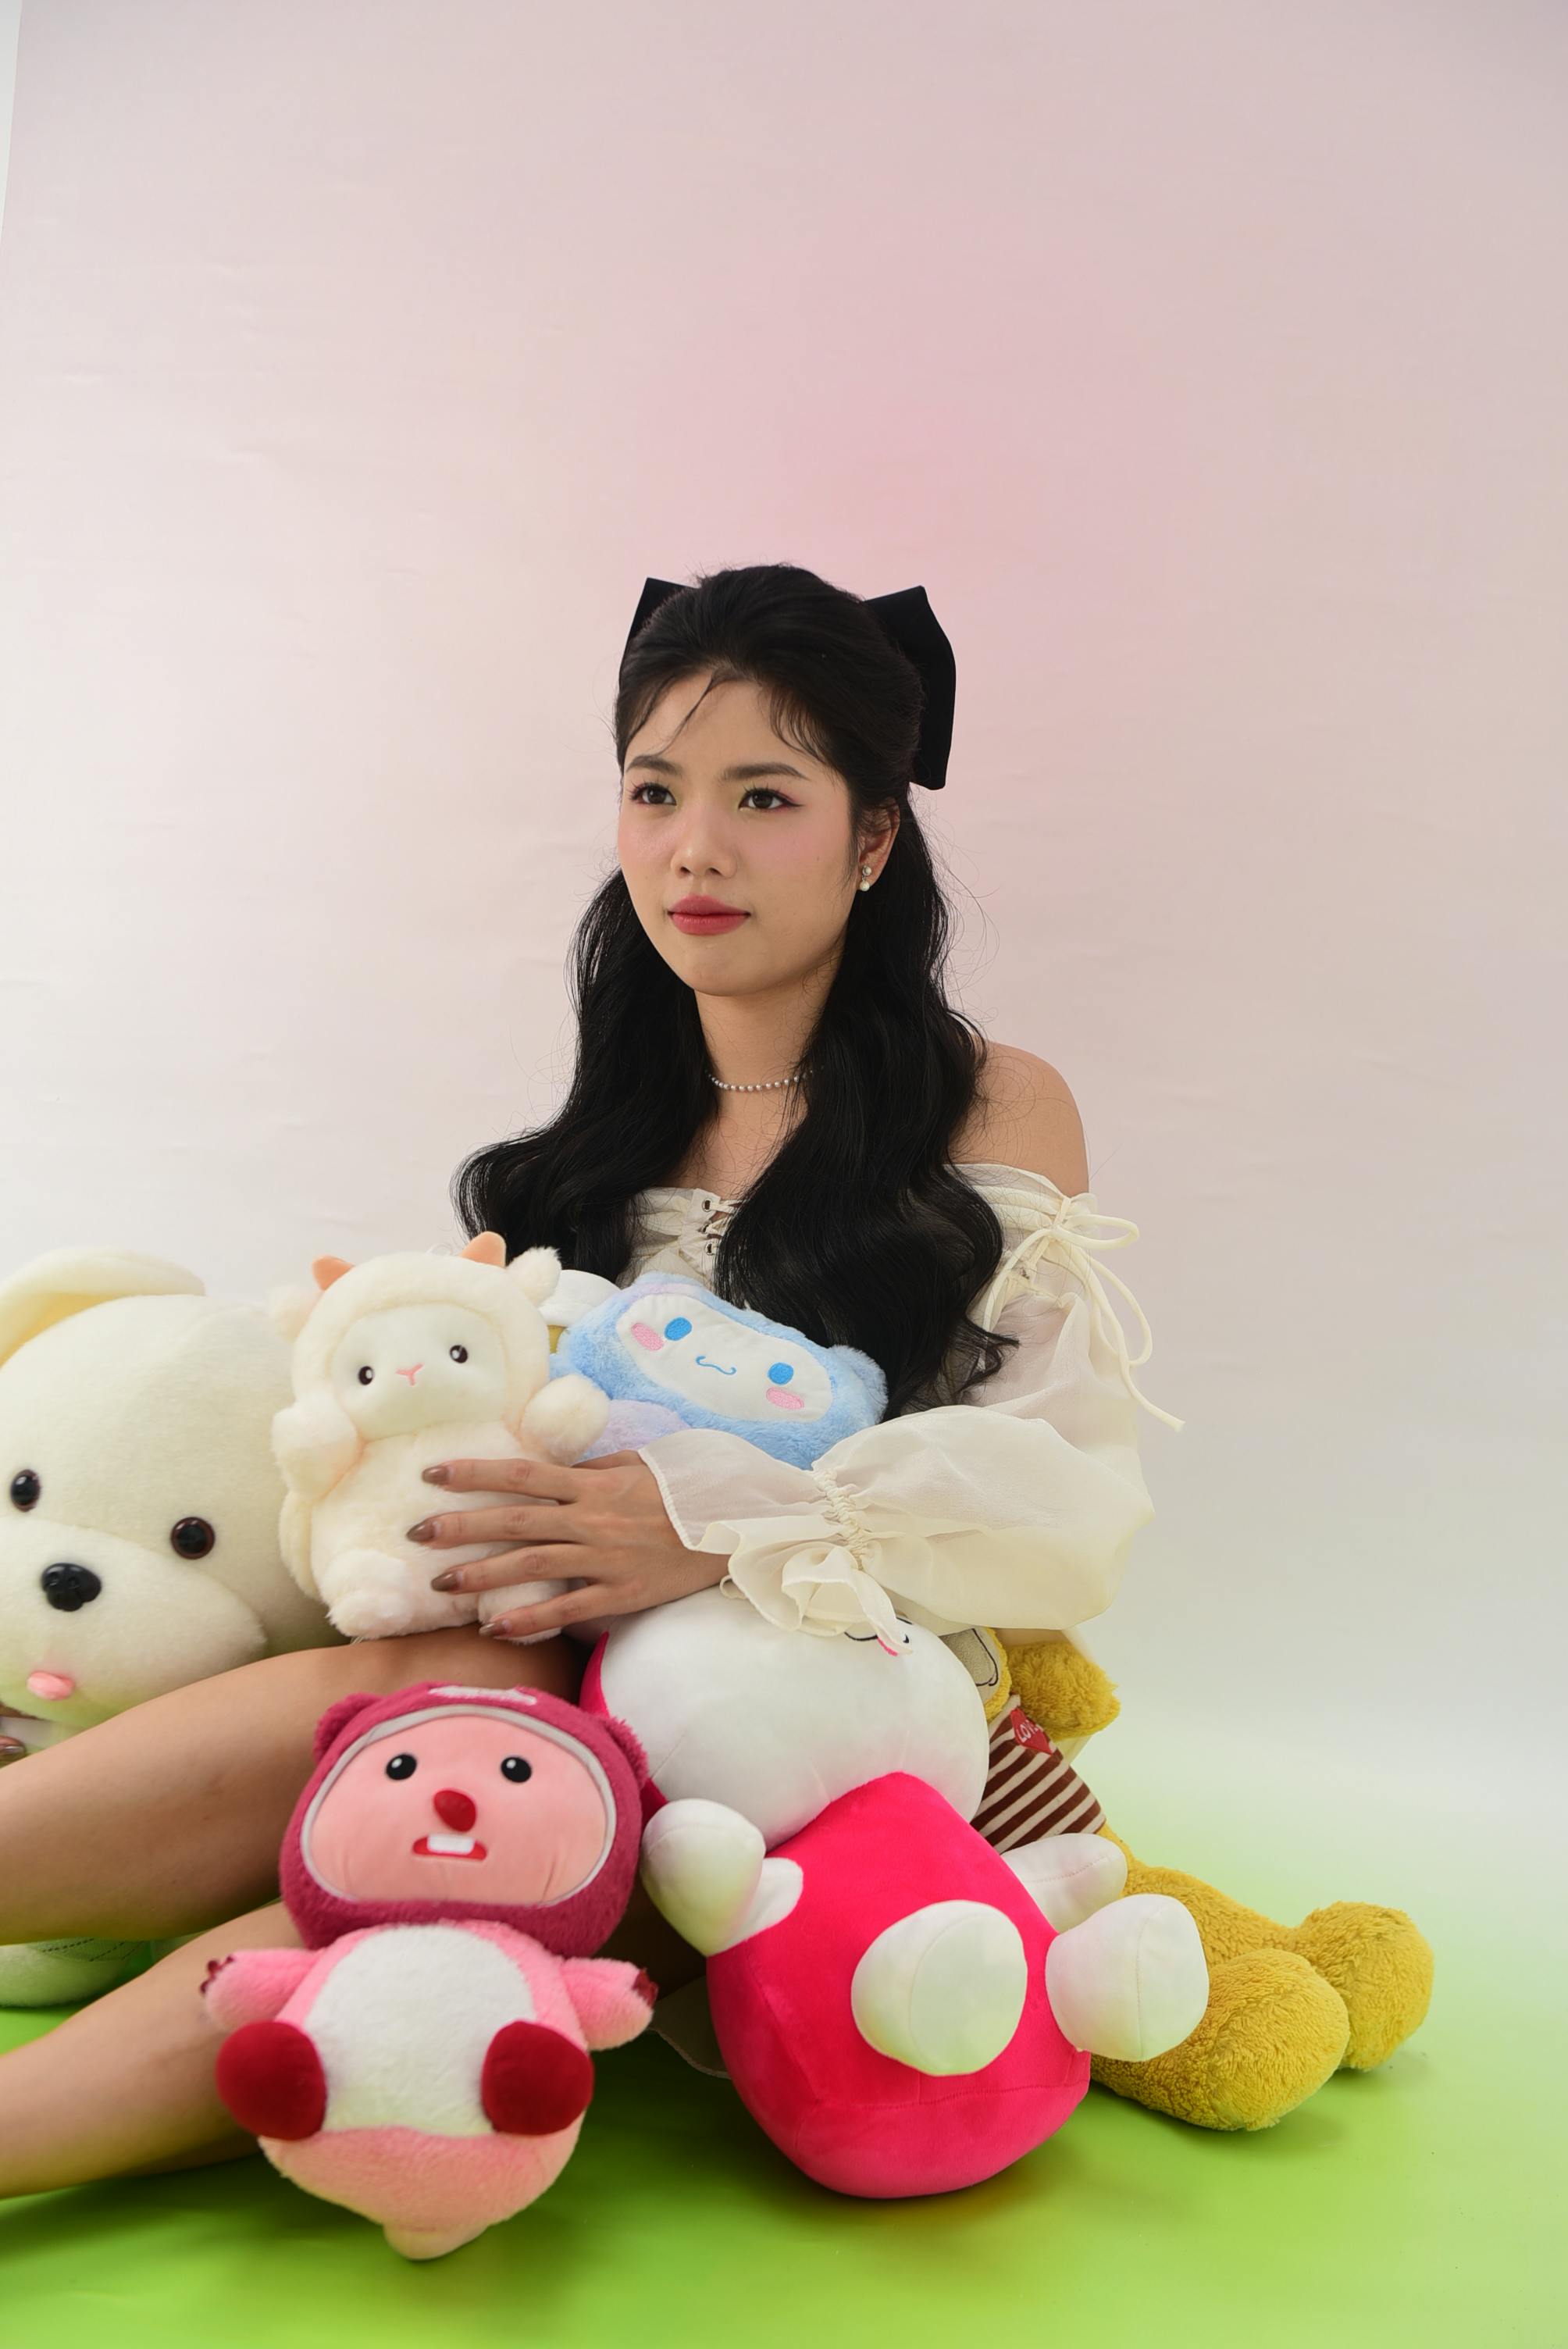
x,y
1420,2204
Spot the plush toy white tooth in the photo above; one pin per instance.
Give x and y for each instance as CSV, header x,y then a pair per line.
x,y
1131,1980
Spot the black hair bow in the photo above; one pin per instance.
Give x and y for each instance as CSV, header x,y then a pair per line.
x,y
916,631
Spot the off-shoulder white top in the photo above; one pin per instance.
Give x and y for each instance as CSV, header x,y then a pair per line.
x,y
1012,1507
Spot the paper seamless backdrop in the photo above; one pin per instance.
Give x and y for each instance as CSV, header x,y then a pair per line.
x,y
1234,469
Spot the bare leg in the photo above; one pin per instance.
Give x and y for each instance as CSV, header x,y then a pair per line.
x,y
169,1818
124,2087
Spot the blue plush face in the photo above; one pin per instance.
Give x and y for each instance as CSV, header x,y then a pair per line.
x,y
685,1344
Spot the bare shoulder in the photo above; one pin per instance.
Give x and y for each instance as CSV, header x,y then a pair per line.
x,y
1023,1115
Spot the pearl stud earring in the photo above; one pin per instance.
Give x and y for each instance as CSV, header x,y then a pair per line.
x,y
865,876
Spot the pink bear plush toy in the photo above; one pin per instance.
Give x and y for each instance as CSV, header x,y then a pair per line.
x,y
455,1858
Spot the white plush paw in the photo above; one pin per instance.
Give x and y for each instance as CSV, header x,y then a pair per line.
x,y
702,1865
944,1989
370,1596
1069,1877
566,1416
492,1603
1130,1981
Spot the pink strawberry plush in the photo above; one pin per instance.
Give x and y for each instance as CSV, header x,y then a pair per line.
x,y
454,1862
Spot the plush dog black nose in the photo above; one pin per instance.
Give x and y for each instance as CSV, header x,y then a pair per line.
x,y
69,1587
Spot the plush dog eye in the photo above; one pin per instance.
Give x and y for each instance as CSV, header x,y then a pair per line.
x,y
515,1768
458,1353
402,1766
679,1327
366,1375
26,1488
781,1373
193,1536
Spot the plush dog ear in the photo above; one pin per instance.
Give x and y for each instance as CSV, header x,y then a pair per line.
x,y
67,1280
337,1717
536,1272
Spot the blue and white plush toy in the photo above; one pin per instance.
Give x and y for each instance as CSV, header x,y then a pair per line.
x,y
671,1354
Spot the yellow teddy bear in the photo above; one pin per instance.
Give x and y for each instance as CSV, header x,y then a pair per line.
x,y
1288,2004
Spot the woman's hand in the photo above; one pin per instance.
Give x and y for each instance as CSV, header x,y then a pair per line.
x,y
603,1521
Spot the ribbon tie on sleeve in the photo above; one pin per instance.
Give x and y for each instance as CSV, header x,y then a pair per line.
x,y
1066,1236
806,1579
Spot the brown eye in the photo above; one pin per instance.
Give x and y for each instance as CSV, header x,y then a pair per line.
x,y
192,1537
26,1488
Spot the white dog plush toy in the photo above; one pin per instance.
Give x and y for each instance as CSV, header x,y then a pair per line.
x,y
138,1519
400,1363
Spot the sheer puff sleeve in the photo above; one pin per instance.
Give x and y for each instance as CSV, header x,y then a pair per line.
x,y
1013,1507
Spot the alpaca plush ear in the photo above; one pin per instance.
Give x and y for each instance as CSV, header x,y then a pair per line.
x,y
337,1717
487,1248
536,1272
289,1308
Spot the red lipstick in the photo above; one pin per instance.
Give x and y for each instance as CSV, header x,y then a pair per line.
x,y
706,918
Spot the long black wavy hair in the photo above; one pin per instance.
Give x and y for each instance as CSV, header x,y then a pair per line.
x,y
858,1231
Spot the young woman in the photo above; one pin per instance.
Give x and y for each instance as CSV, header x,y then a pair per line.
x,y
770,1090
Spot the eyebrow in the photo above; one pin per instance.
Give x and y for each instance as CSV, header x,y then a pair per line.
x,y
730,774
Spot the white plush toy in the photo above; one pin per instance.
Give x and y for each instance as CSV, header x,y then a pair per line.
x,y
806,1831
138,1519
398,1364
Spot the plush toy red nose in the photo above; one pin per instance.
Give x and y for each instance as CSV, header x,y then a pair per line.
x,y
456,1811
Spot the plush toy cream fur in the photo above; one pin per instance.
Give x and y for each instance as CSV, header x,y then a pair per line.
x,y
138,1518
1288,2004
397,1364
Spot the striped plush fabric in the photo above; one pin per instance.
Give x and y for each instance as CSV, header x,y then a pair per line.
x,y
1031,1790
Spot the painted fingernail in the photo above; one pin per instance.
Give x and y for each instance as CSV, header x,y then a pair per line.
x,y
423,1530
497,1630
435,1476
451,1581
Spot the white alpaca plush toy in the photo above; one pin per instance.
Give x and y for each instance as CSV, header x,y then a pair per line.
x,y
398,1364
138,1521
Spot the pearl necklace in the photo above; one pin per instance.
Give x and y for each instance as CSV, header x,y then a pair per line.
x,y
771,1084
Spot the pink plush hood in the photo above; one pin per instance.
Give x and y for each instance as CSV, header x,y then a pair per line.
x,y
574,1926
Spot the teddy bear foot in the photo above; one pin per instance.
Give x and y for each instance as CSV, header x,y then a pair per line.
x,y
1381,1966
1273,2033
